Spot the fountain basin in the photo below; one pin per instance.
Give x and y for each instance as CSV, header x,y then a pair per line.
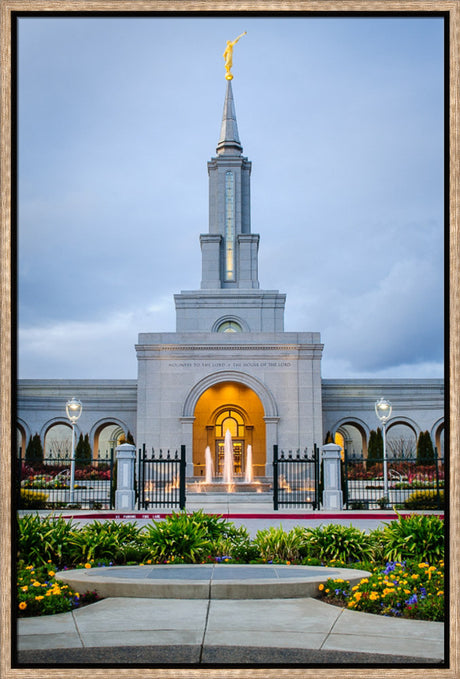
x,y
207,581
235,487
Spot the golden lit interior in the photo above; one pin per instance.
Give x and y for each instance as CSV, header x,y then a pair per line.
x,y
339,440
233,406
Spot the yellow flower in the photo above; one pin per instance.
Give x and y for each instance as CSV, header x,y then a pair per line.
x,y
51,574
321,587
364,580
39,598
374,596
25,588
23,605
441,593
36,584
87,565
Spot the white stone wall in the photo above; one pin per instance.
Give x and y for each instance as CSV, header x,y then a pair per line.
x,y
282,368
417,402
41,403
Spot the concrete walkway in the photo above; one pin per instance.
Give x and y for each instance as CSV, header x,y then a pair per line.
x,y
216,631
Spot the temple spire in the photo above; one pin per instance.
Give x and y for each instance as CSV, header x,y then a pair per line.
x,y
229,141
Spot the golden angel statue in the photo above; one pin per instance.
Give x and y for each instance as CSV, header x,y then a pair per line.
x,y
228,56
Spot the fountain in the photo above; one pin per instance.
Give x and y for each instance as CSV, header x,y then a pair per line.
x,y
227,476
249,473
209,465
228,483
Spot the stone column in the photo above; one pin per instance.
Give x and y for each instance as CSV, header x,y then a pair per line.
x,y
271,438
125,497
187,440
332,486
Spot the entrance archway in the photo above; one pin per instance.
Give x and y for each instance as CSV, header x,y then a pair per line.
x,y
236,407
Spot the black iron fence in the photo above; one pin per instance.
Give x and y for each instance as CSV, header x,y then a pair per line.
x,y
45,483
296,478
411,484
161,479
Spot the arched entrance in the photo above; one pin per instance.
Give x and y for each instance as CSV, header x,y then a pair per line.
x,y
235,407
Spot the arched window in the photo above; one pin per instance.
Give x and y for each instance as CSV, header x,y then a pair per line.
x,y
229,326
231,420
58,441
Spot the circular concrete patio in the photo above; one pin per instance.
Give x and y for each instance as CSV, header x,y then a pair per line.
x,y
207,581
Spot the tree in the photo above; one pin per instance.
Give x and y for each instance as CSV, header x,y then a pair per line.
x,y
425,450
329,438
401,447
34,450
83,452
375,447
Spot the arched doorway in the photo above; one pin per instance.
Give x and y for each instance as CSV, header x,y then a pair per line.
x,y
235,407
106,438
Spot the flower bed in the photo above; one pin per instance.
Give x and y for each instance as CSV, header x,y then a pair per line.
x,y
407,590
41,593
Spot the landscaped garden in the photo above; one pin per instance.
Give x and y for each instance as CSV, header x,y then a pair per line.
x,y
405,557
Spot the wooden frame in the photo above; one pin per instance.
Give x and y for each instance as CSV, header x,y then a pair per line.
x,y
8,7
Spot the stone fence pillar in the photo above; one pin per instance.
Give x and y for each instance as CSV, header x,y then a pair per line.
x,y
125,496
332,486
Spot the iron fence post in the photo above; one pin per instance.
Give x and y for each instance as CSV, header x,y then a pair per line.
x,y
438,495
182,477
275,477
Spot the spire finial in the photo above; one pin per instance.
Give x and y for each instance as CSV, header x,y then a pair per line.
x,y
229,141
228,56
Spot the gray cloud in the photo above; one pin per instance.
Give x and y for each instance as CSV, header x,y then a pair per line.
x,y
342,120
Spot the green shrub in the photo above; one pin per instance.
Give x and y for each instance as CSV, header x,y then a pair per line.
x,y
375,447
341,543
117,542
419,536
425,499
45,539
425,450
274,544
34,450
236,544
179,536
83,452
32,499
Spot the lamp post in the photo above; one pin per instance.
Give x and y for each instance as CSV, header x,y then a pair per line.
x,y
383,410
73,409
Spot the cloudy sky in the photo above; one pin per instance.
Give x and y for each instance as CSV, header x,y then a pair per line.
x,y
342,119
